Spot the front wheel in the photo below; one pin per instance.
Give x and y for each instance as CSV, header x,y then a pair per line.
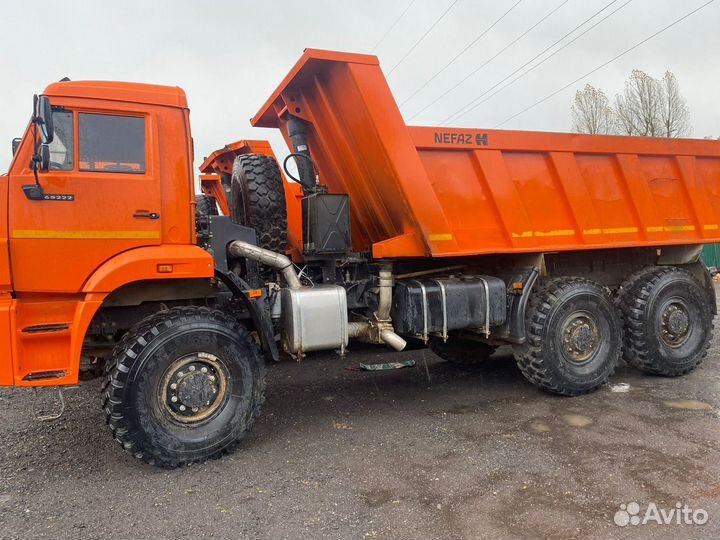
x,y
574,337
183,386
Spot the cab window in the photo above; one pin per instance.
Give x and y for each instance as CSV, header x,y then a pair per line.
x,y
61,148
111,143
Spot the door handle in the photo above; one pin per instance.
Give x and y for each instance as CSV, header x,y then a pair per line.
x,y
147,215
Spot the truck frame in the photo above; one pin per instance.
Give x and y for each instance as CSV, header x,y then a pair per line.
x,y
576,250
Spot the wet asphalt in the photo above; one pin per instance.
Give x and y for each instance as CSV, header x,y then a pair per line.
x,y
432,451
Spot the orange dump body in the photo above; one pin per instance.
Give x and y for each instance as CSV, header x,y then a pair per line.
x,y
426,191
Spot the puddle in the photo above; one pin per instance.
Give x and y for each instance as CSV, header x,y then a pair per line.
x,y
689,405
576,420
538,426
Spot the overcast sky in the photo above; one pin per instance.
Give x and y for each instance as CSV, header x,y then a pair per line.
x,y
230,55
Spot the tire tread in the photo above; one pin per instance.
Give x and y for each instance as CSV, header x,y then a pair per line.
x,y
129,348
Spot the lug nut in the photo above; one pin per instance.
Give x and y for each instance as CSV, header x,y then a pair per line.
x,y
182,407
173,399
173,386
203,369
192,368
194,409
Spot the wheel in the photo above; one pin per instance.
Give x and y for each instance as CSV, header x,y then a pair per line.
x,y
205,205
574,337
257,200
668,321
183,386
461,351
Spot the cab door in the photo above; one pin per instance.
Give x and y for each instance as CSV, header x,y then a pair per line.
x,y
101,197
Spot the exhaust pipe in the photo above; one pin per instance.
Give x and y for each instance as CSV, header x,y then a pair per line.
x,y
281,263
379,331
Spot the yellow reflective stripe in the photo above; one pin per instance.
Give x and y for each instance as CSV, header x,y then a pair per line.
x,y
559,232
612,230
621,230
440,237
85,235
676,228
672,228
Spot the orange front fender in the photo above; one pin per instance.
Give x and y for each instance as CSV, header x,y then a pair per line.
x,y
151,262
47,332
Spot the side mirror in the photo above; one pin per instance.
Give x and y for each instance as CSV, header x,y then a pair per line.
x,y
43,118
44,154
16,144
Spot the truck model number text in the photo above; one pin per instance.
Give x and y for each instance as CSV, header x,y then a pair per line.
x,y
461,138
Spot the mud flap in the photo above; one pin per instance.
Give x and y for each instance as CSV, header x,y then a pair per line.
x,y
259,312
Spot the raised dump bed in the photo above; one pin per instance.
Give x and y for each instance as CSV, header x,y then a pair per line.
x,y
418,191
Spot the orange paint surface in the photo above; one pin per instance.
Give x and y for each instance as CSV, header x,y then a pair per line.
x,y
433,191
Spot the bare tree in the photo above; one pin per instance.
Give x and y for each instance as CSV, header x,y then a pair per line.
x,y
647,107
624,116
674,112
591,112
639,107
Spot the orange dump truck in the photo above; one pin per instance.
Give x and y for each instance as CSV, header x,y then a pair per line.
x,y
577,250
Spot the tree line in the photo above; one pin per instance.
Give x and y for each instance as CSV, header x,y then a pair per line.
x,y
647,107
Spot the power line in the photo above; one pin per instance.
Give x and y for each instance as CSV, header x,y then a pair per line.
x,y
474,41
485,63
423,36
474,104
393,25
626,51
538,55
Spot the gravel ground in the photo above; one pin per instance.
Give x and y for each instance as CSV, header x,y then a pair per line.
x,y
428,452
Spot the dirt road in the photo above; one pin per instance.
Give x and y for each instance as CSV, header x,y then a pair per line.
x,y
427,452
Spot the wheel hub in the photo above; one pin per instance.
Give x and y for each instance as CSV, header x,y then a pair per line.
x,y
580,337
675,323
194,387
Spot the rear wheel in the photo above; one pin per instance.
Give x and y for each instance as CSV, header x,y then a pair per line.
x,y
668,321
461,351
183,386
257,200
574,337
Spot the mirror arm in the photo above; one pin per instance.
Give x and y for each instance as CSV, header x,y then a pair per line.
x,y
34,192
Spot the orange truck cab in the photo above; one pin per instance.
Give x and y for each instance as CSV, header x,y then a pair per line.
x,y
115,208
577,250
